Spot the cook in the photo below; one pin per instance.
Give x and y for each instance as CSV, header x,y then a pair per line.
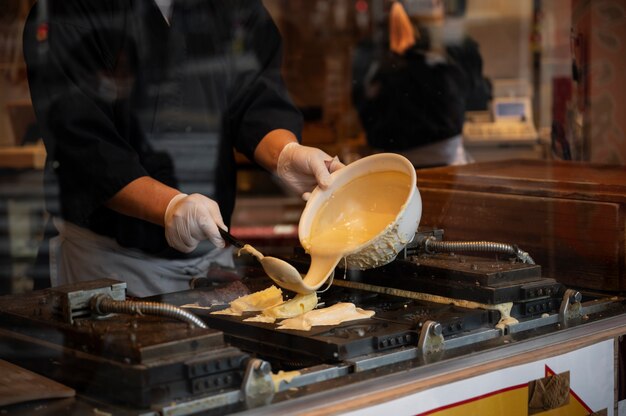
x,y
140,106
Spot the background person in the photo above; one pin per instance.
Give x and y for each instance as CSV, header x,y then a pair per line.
x,y
412,97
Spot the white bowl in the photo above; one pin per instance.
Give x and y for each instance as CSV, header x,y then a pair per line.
x,y
386,244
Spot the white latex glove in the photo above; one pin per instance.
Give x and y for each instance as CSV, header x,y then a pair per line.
x,y
190,219
301,168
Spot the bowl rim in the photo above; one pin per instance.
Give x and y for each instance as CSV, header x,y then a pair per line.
x,y
318,193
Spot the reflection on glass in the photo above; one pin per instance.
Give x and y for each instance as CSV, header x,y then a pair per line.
x,y
502,79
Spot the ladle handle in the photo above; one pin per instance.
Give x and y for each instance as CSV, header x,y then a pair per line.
x,y
230,238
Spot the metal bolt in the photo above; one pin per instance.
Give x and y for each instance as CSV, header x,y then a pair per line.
x,y
436,329
576,297
264,367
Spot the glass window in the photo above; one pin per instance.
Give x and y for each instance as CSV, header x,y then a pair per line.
x,y
475,81
134,133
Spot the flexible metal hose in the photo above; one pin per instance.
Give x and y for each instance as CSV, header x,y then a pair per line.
x,y
431,245
104,304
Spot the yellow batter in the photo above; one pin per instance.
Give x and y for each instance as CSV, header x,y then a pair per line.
x,y
353,215
253,302
333,315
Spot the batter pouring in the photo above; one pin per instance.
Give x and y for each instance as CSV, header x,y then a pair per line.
x,y
353,215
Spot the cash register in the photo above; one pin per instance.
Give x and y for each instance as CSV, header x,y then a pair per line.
x,y
508,121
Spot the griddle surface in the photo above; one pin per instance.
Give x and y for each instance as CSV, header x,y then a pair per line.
x,y
397,323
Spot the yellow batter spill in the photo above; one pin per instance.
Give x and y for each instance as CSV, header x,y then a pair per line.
x,y
333,315
353,215
297,306
254,302
283,376
503,308
296,313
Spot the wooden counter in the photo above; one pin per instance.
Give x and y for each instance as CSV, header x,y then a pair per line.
x,y
570,217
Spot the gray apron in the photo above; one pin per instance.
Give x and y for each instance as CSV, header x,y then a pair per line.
x,y
78,254
445,152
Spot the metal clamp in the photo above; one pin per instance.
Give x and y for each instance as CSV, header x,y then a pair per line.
x,y
431,338
571,307
257,385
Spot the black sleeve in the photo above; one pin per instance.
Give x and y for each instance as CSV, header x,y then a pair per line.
x,y
260,101
69,49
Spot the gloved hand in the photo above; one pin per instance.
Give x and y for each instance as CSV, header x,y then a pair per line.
x,y
301,168
190,219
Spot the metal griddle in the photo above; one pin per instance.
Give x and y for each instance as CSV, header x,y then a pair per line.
x,y
144,361
393,292
397,323
136,360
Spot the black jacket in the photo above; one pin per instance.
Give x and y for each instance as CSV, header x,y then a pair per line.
x,y
120,94
407,100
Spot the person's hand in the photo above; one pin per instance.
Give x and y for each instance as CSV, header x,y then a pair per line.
x,y
301,168
190,219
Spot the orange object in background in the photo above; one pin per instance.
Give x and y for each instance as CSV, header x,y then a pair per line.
x,y
401,33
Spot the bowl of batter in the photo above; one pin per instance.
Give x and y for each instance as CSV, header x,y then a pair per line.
x,y
366,216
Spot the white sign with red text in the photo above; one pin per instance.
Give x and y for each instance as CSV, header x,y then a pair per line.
x,y
590,372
